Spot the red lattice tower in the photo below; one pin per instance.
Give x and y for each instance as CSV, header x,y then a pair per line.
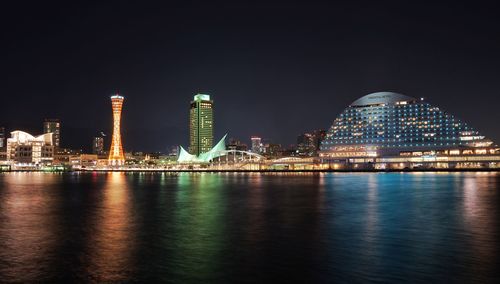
x,y
116,157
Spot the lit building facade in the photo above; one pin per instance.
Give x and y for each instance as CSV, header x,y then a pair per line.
x,y
201,125
84,160
256,144
392,131
24,148
2,137
51,125
205,157
98,145
116,157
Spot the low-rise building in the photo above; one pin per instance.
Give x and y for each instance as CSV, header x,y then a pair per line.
x,y
84,161
26,149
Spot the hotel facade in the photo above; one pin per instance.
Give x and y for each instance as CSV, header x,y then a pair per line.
x,y
201,124
387,130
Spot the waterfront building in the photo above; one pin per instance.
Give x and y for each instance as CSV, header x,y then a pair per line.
x,y
392,131
98,145
53,125
219,157
83,161
3,153
62,155
218,150
256,144
26,149
116,156
201,125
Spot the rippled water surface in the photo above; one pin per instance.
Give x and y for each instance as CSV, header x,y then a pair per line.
x,y
218,228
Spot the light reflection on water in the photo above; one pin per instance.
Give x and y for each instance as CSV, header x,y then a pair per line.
x,y
111,242
28,229
230,227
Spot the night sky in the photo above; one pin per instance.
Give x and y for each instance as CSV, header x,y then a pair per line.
x,y
273,69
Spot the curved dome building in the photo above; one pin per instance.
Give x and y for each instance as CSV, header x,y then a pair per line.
x,y
391,130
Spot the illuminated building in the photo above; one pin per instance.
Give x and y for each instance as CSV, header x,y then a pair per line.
x,y
201,125
2,137
84,160
53,126
24,148
116,156
63,155
256,144
3,153
98,145
390,130
218,150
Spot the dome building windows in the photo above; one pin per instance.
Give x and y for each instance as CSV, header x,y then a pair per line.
x,y
395,123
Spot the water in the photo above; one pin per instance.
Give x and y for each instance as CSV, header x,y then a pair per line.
x,y
219,228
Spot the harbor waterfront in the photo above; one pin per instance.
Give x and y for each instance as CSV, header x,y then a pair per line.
x,y
384,131
250,142
249,227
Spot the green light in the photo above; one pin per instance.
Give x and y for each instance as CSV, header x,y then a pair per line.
x,y
202,97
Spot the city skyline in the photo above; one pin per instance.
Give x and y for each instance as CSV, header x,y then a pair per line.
x,y
54,124
196,118
276,70
249,141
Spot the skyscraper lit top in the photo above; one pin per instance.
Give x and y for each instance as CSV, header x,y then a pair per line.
x,y
201,123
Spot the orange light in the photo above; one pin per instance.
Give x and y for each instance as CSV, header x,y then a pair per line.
x,y
116,156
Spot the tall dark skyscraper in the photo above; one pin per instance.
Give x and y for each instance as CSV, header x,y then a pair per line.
x,y
51,125
201,124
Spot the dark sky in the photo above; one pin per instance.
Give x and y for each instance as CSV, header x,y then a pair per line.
x,y
274,69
